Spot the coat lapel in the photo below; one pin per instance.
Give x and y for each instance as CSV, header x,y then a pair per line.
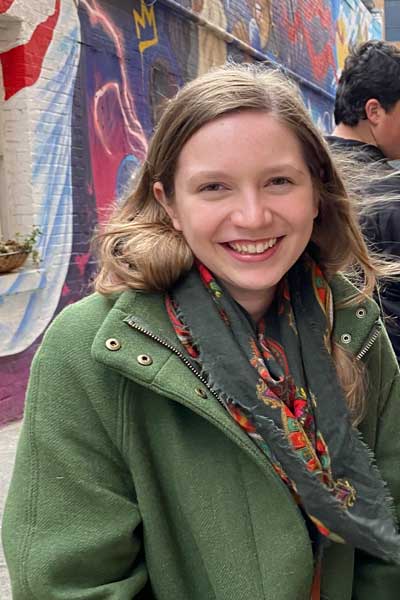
x,y
139,357
138,321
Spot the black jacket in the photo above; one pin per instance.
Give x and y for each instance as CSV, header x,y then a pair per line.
x,y
381,227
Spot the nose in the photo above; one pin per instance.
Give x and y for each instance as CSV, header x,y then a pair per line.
x,y
251,210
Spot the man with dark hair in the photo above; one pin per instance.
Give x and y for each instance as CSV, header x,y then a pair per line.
x,y
367,105
367,117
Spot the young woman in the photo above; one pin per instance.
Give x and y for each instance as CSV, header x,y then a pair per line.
x,y
190,428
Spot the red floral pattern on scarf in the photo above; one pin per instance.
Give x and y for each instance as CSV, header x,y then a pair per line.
x,y
295,403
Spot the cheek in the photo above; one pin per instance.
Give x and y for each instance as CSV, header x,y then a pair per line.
x,y
200,222
397,132
183,218
388,132
302,208
304,218
197,229
316,201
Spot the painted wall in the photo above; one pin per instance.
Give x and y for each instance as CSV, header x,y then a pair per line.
x,y
82,83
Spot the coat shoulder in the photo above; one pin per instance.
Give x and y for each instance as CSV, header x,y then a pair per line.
x,y
83,318
76,326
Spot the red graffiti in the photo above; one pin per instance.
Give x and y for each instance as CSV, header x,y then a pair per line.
x,y
66,290
313,24
81,261
5,5
22,65
114,128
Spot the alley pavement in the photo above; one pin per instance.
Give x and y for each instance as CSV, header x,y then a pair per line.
x,y
8,445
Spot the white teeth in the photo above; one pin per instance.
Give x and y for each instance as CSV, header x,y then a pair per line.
x,y
254,247
259,247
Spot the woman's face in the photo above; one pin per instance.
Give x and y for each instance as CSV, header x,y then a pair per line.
x,y
244,201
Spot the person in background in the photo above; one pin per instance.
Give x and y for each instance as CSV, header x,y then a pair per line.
x,y
367,117
190,428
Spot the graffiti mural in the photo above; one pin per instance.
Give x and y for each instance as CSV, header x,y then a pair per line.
x,y
251,22
305,40
99,74
320,109
50,170
352,27
211,49
37,45
25,314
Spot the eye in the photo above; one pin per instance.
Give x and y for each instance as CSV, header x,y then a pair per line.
x,y
279,181
212,187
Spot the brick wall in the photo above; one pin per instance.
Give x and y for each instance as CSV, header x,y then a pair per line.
x,y
39,54
82,82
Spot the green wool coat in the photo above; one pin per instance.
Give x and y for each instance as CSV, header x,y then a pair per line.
x,y
132,481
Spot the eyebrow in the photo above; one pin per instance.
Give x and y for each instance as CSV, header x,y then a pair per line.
x,y
222,174
282,167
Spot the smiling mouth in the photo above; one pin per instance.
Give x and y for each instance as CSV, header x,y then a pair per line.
x,y
253,247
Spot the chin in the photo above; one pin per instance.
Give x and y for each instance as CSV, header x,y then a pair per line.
x,y
257,288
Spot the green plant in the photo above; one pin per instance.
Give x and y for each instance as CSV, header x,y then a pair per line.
x,y
23,243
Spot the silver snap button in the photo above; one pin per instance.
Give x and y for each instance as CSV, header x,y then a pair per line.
x,y
345,338
113,344
200,392
145,360
360,313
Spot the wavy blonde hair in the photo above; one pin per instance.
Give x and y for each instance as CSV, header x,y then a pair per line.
x,y
139,248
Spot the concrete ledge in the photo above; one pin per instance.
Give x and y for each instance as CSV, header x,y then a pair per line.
x,y
25,279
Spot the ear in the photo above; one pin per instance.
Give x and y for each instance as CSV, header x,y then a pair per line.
x,y
167,204
373,110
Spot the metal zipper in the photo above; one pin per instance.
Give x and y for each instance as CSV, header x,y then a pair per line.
x,y
187,362
175,350
370,343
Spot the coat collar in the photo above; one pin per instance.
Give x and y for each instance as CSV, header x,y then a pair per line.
x,y
138,321
141,327
353,326
164,373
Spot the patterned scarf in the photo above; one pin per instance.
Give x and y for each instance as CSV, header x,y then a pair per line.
x,y
279,383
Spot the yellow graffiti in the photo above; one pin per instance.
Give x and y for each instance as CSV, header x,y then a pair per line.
x,y
212,49
342,47
146,18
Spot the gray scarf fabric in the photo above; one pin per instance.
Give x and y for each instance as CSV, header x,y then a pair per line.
x,y
283,385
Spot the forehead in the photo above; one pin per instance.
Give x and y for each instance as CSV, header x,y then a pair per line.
x,y
248,134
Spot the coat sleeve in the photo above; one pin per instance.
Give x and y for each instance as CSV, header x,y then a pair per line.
x,y
374,578
71,525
